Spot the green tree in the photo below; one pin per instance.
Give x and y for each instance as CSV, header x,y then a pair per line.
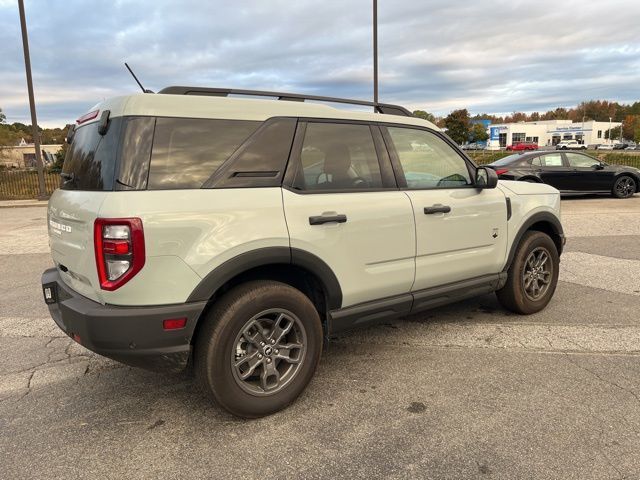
x,y
479,133
53,136
3,117
425,115
8,137
458,125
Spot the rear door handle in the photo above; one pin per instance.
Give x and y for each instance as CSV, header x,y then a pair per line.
x,y
437,208
320,219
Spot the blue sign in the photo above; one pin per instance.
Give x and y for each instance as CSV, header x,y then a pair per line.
x,y
494,133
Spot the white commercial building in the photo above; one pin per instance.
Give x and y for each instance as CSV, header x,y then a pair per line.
x,y
548,132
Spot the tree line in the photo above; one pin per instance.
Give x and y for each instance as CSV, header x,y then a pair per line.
x,y
461,127
12,133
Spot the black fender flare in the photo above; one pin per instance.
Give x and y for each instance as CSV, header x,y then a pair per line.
x,y
539,217
261,257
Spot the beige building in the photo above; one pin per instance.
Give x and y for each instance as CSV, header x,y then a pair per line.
x,y
549,132
24,156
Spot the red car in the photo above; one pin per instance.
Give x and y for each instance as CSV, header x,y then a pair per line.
x,y
520,146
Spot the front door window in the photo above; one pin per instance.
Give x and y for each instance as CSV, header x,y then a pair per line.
x,y
427,160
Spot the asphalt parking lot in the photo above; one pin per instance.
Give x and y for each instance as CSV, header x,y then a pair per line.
x,y
466,391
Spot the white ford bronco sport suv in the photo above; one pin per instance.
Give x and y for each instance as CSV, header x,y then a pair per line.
x,y
236,234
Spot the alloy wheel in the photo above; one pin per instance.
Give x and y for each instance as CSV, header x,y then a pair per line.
x,y
537,273
268,352
625,187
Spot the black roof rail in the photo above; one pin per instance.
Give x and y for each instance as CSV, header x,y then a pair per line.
x,y
292,97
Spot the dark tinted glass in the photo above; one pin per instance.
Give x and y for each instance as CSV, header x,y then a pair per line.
x,y
338,157
186,152
261,161
91,160
135,152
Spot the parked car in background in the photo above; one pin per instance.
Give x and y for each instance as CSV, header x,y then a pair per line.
x,y
570,172
605,146
571,145
620,146
637,147
522,146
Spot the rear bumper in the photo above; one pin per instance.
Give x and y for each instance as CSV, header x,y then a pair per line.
x,y
130,335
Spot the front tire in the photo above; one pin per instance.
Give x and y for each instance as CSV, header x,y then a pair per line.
x,y
624,187
259,348
533,275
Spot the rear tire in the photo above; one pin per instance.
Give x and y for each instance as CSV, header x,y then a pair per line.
x,y
624,187
259,348
532,276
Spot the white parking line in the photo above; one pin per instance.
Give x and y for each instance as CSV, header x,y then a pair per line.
x,y
598,271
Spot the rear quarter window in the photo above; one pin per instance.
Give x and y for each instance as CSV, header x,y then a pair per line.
x,y
186,152
91,161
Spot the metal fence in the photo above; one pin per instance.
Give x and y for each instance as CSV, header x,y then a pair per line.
x,y
23,184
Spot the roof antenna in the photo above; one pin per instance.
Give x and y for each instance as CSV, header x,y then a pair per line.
x,y
136,79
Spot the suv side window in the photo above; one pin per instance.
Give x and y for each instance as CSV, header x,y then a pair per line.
x,y
186,151
427,160
577,160
338,156
261,160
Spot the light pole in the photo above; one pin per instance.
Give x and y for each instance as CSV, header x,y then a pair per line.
x,y
621,124
610,140
32,104
375,51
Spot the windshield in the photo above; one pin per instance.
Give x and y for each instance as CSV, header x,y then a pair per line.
x,y
91,161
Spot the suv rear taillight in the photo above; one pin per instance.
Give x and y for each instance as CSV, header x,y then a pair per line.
x,y
119,245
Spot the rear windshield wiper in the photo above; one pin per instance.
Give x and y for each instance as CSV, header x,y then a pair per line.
x,y
120,182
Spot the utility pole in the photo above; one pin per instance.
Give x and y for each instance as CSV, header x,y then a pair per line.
x,y
610,139
32,104
375,51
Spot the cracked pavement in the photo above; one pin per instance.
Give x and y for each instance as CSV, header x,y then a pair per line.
x,y
464,391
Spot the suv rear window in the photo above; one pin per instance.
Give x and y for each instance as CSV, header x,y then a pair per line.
x,y
91,160
187,151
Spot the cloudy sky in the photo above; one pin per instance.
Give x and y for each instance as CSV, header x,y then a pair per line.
x,y
487,55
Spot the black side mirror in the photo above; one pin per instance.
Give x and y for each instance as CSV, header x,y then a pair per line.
x,y
486,177
598,166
